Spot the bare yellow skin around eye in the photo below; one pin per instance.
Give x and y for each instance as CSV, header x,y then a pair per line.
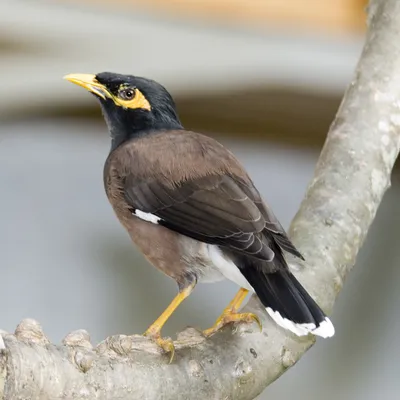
x,y
89,82
139,101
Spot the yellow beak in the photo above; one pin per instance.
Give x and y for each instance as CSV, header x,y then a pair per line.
x,y
88,81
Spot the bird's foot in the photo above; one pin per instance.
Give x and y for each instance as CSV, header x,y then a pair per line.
x,y
232,316
166,344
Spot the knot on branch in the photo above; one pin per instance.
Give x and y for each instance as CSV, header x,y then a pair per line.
x,y
30,331
288,358
243,370
79,338
118,344
83,360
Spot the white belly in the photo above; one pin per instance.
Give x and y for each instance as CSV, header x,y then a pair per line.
x,y
219,267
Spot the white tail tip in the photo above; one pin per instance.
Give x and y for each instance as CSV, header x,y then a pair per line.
x,y
325,329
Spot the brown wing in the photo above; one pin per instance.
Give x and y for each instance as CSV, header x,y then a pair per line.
x,y
199,190
272,225
214,209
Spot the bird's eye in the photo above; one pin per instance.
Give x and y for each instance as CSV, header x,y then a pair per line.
x,y
126,94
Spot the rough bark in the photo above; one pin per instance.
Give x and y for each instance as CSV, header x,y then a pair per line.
x,y
351,177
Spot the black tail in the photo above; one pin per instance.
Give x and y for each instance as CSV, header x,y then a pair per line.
x,y
286,301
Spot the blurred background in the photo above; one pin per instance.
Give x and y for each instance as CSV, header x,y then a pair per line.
x,y
265,77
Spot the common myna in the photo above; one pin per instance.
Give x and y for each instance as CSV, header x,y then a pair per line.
x,y
191,208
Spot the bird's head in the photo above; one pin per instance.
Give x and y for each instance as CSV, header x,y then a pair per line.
x,y
131,105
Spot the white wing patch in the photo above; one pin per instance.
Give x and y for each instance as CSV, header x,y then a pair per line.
x,y
147,216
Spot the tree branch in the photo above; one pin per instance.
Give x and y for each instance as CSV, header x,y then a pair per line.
x,y
351,177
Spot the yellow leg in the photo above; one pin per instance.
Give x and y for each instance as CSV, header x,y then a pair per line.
x,y
230,314
154,330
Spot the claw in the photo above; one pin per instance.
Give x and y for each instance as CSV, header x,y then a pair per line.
x,y
153,332
228,317
166,344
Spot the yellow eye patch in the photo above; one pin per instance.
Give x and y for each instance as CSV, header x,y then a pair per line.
x,y
138,99
127,97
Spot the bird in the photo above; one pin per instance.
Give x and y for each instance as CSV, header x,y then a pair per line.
x,y
191,208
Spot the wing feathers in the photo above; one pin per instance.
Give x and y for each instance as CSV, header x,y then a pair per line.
x,y
213,209
218,209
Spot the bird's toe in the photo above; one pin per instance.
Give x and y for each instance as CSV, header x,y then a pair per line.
x,y
229,317
166,344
